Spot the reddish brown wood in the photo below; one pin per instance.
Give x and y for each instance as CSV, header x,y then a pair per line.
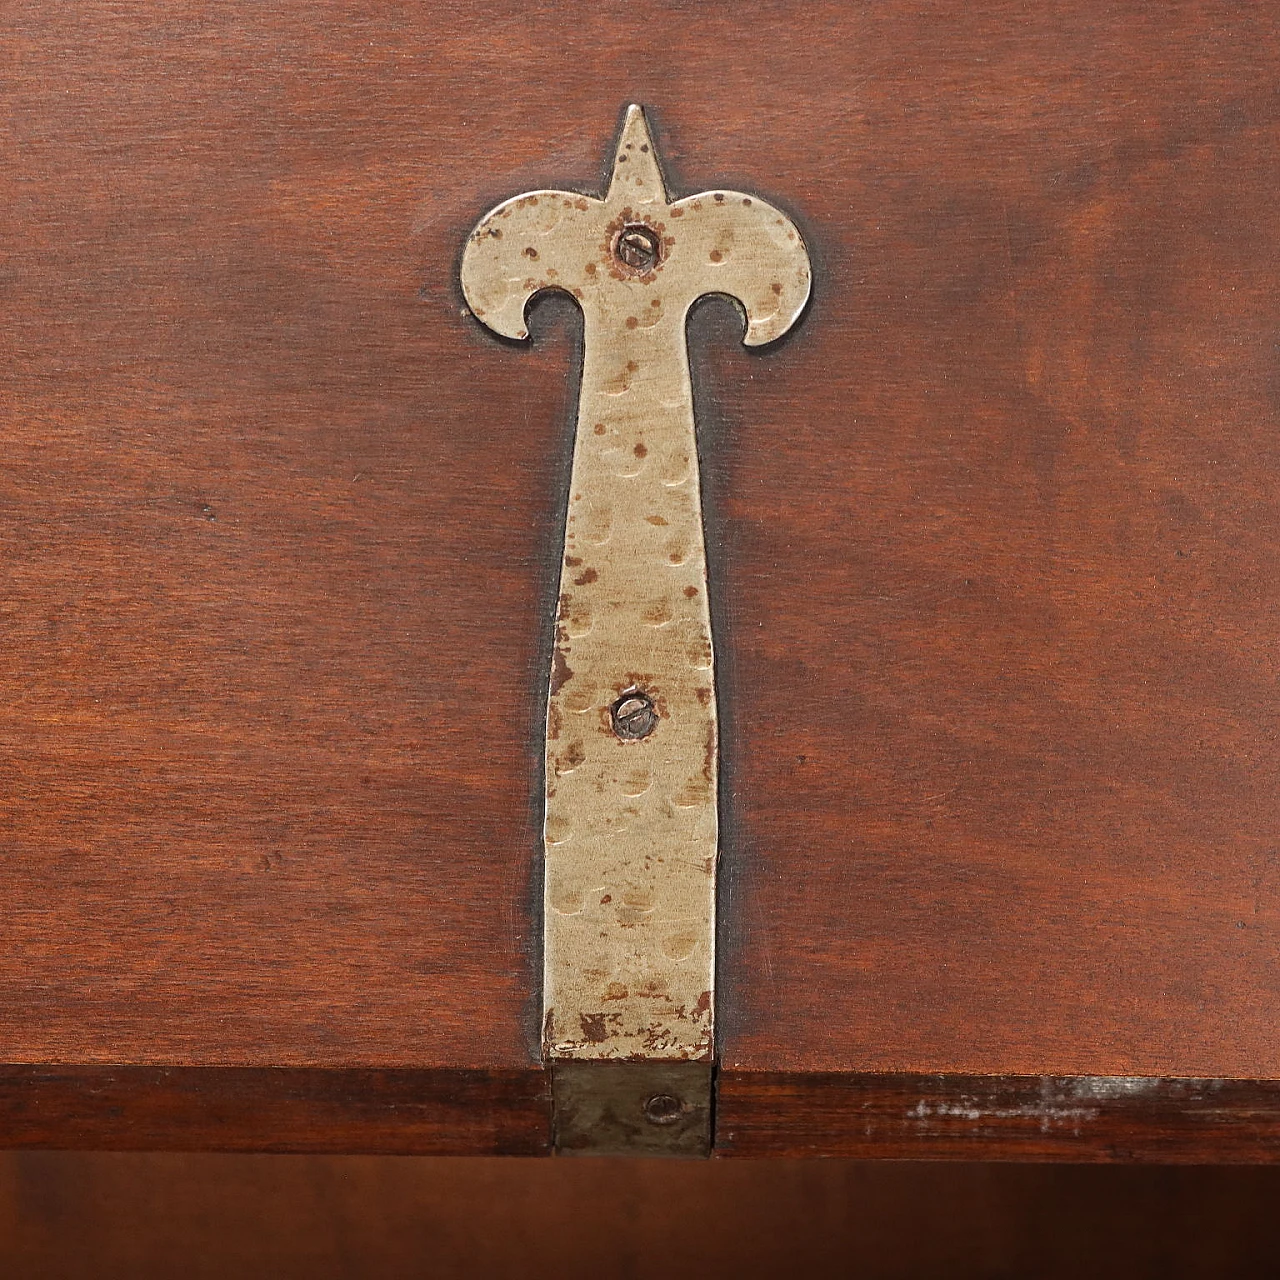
x,y
995,543
272,1109
272,533
152,1217
1082,1119
470,1112
1000,552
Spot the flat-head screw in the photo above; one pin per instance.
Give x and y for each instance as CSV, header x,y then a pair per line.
x,y
638,247
663,1108
634,715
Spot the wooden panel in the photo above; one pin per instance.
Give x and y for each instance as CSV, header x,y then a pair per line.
x,y
257,1109
67,1217
994,537
272,578
1103,1119
1001,553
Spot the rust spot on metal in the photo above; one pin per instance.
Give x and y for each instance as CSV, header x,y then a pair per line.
x,y
561,673
593,1027
657,614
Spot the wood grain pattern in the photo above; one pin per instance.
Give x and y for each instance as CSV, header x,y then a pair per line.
x,y
1079,1119
272,558
993,554
264,1109
1000,556
67,1216
1113,1120
150,1217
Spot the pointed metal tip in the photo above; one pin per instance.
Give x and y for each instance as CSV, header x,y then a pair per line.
x,y
637,176
635,128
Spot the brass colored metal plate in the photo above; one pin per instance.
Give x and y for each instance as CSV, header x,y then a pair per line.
x,y
631,752
631,1108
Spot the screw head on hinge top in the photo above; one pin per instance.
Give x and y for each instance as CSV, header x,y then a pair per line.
x,y
638,247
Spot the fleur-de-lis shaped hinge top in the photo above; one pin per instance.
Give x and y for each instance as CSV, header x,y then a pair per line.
x,y
631,742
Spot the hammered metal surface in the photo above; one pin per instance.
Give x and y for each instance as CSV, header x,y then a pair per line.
x,y
631,822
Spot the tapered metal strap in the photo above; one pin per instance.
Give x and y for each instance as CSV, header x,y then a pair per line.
x,y
631,748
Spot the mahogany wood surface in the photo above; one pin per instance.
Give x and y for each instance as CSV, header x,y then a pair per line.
x,y
994,537
74,1216
1093,1119
264,1109
1000,555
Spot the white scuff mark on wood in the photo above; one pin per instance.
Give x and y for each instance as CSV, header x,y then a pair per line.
x,y
1047,1115
1110,1087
